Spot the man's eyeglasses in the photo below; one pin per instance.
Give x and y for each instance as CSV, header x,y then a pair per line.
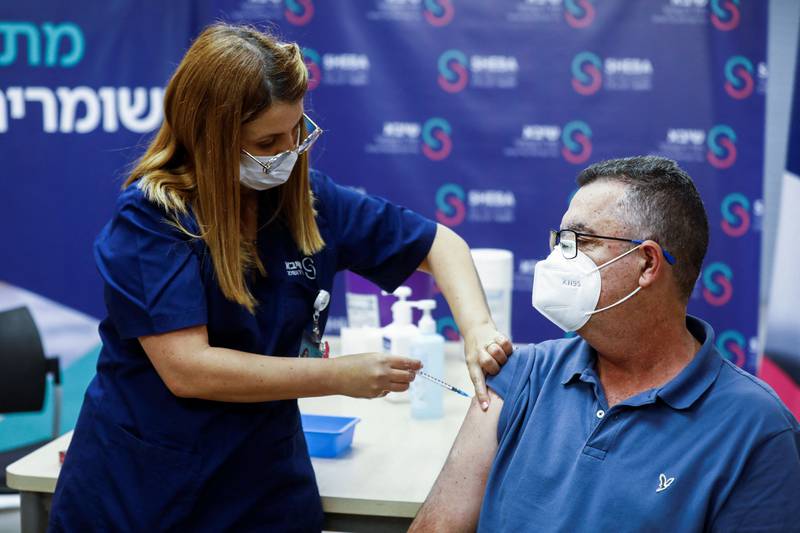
x,y
300,148
567,240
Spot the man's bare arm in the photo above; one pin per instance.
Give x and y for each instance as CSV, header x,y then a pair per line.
x,y
454,502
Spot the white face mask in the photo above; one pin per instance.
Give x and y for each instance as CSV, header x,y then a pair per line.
x,y
566,291
252,175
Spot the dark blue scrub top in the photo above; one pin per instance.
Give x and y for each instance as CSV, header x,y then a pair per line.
x,y
142,458
713,449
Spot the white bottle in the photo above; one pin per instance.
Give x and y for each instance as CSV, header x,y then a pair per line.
x,y
428,347
398,336
360,340
495,269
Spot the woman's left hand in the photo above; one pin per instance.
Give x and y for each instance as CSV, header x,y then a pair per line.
x,y
486,349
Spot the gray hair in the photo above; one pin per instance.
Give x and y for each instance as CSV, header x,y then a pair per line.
x,y
662,204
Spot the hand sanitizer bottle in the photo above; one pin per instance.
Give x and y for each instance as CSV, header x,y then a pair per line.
x,y
399,335
428,347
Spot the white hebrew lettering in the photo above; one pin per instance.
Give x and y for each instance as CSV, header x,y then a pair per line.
x,y
70,98
130,112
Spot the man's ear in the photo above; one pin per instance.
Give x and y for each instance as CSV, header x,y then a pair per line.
x,y
653,263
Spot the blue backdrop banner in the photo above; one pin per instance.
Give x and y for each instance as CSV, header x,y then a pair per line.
x,y
476,114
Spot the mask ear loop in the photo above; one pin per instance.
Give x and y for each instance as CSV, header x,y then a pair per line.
x,y
616,258
589,313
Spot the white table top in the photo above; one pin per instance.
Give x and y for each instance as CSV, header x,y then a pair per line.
x,y
394,459
388,471
38,471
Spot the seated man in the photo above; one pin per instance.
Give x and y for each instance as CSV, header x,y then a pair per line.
x,y
637,424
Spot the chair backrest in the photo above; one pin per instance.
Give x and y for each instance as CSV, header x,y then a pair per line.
x,y
23,367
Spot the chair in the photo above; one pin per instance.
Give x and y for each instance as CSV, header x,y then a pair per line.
x,y
23,378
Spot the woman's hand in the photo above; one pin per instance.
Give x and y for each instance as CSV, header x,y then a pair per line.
x,y
451,264
486,349
369,375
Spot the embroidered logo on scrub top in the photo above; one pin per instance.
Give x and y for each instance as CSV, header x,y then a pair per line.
x,y
664,482
305,267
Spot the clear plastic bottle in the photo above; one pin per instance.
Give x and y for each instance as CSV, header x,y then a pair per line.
x,y
428,347
400,334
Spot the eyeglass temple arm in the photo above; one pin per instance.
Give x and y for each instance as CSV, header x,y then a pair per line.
x,y
668,256
245,152
312,122
579,234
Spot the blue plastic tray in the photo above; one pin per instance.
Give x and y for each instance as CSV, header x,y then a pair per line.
x,y
328,436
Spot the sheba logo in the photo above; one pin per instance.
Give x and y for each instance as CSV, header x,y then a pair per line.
x,y
345,62
494,64
631,66
305,268
492,198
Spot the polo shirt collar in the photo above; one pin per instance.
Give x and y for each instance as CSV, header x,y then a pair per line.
x,y
685,388
582,362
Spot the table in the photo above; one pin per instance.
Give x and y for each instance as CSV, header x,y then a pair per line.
x,y
35,477
378,485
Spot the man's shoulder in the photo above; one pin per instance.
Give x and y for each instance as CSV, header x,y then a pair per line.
x,y
556,347
549,353
556,353
540,360
751,401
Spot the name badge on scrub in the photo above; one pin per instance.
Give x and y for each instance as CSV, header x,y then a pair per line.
x,y
312,345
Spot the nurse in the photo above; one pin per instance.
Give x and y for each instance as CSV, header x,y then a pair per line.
x,y
221,244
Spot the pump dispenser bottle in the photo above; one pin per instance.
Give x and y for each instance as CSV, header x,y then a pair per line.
x,y
428,347
400,334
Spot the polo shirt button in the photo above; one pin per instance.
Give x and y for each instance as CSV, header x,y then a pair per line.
x,y
601,413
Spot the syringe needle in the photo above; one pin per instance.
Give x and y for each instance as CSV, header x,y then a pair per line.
x,y
443,384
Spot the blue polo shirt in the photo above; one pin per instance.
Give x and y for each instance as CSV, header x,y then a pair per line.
x,y
713,449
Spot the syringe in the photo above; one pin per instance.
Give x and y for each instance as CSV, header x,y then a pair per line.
x,y
443,384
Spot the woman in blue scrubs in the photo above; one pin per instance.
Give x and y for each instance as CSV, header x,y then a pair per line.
x,y
221,242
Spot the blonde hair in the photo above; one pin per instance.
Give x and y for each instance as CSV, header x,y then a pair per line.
x,y
228,76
